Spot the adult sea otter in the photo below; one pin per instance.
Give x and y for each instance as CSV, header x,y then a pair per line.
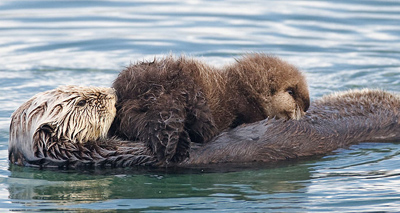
x,y
333,122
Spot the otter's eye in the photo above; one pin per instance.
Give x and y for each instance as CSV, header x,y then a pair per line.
x,y
290,91
81,103
273,91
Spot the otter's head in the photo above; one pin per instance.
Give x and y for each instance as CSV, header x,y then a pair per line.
x,y
69,113
273,87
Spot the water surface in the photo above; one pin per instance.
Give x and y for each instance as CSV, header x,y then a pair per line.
x,y
339,45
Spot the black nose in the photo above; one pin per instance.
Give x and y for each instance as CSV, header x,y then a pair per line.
x,y
306,104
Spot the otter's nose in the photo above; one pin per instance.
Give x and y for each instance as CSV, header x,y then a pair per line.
x,y
306,104
111,92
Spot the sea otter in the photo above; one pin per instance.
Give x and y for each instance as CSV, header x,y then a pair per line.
x,y
170,103
53,126
333,122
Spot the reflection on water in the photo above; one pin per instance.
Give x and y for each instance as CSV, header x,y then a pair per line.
x,y
158,189
339,44
364,175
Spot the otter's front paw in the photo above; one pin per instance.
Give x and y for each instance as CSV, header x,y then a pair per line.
x,y
167,137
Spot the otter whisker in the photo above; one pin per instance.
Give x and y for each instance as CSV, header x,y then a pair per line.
x,y
297,113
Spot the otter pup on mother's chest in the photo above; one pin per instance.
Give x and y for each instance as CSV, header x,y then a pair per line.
x,y
171,102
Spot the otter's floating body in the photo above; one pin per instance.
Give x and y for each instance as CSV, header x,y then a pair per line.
x,y
333,122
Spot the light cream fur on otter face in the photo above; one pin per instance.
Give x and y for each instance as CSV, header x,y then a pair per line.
x,y
75,114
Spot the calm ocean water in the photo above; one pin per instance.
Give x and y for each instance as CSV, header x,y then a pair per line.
x,y
338,44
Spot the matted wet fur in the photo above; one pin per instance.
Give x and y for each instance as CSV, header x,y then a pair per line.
x,y
334,121
53,128
170,103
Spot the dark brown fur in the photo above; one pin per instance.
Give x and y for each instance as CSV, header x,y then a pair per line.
x,y
102,153
159,102
172,102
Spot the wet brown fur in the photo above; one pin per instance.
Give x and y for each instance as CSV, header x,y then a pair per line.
x,y
333,122
173,102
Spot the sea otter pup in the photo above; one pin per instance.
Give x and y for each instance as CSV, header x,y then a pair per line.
x,y
170,103
53,126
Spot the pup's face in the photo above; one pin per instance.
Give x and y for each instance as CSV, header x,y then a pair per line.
x,y
275,87
291,100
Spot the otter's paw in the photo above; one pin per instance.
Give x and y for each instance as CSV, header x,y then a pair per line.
x,y
167,137
201,125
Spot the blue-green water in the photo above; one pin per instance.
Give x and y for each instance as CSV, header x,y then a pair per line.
x,y
338,44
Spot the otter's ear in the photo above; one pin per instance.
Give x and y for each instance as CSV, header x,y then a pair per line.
x,y
47,128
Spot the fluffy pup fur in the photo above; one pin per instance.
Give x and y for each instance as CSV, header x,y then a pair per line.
x,y
169,103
